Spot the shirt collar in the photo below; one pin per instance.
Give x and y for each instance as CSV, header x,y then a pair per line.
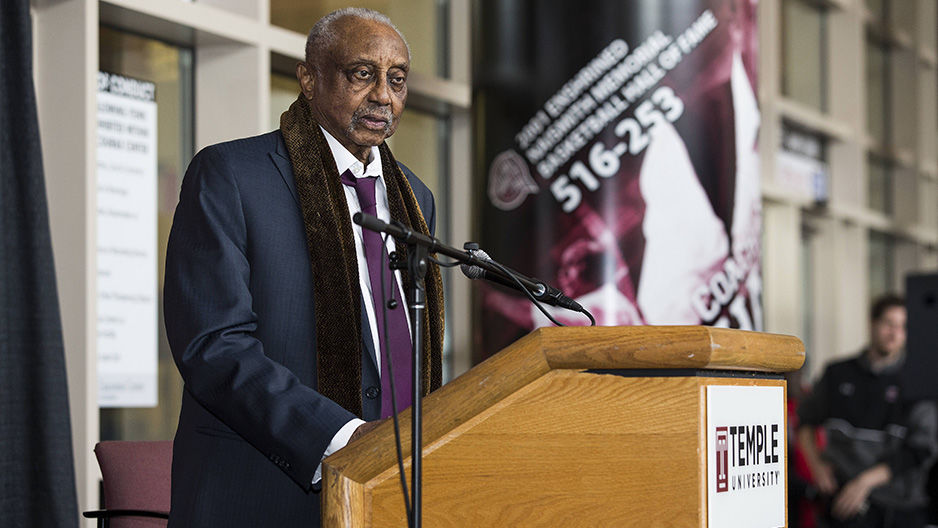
x,y
890,368
344,160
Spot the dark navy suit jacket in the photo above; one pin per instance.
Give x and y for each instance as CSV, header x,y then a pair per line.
x,y
240,316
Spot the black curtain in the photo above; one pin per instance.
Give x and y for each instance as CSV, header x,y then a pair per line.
x,y
37,476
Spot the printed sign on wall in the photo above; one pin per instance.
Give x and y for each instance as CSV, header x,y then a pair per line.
x,y
622,167
745,457
126,240
800,167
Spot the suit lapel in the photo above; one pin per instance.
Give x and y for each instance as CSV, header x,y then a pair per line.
x,y
281,159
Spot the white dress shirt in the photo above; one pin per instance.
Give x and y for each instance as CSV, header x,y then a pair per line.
x,y
344,160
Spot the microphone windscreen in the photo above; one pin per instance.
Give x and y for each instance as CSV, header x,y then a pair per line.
x,y
475,272
370,222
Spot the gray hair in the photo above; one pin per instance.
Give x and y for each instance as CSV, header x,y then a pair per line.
x,y
322,35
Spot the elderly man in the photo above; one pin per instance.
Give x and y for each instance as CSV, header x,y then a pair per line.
x,y
880,444
273,297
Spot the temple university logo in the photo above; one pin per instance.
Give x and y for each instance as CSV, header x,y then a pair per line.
x,y
722,456
747,456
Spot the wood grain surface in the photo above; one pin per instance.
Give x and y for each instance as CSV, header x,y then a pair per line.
x,y
699,347
529,438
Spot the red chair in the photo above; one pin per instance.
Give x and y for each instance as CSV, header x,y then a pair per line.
x,y
136,484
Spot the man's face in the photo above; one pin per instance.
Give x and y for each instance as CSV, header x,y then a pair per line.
x,y
888,333
358,90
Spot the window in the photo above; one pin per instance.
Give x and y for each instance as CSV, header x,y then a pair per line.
x,y
928,24
881,260
902,15
928,114
877,9
804,53
877,107
879,185
170,68
423,23
902,110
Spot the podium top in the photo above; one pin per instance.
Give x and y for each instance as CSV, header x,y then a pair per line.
x,y
665,347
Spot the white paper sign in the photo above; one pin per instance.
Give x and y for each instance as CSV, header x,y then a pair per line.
x,y
802,175
126,235
745,457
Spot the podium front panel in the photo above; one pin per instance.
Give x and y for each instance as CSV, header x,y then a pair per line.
x,y
570,448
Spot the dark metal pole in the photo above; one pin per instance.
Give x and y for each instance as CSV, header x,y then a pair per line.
x,y
418,249
417,266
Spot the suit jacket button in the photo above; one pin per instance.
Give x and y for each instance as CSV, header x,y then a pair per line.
x,y
372,392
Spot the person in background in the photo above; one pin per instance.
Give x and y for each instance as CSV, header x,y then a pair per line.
x,y
879,445
802,495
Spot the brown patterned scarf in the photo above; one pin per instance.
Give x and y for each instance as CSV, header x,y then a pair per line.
x,y
335,280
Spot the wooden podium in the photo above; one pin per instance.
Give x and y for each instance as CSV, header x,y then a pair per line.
x,y
575,426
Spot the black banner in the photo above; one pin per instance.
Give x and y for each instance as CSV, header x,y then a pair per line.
x,y
620,153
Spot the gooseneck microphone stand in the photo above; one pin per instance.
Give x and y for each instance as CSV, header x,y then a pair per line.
x,y
419,247
417,269
417,253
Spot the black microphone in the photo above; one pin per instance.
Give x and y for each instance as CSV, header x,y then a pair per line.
x,y
396,230
542,291
476,263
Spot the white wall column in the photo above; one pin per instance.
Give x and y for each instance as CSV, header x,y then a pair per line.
x,y
232,91
66,41
781,268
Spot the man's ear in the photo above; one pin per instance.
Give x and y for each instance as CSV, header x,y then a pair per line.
x,y
307,78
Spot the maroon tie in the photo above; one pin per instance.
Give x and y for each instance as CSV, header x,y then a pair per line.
x,y
397,332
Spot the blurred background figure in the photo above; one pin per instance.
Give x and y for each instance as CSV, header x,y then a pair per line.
x,y
803,506
879,445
